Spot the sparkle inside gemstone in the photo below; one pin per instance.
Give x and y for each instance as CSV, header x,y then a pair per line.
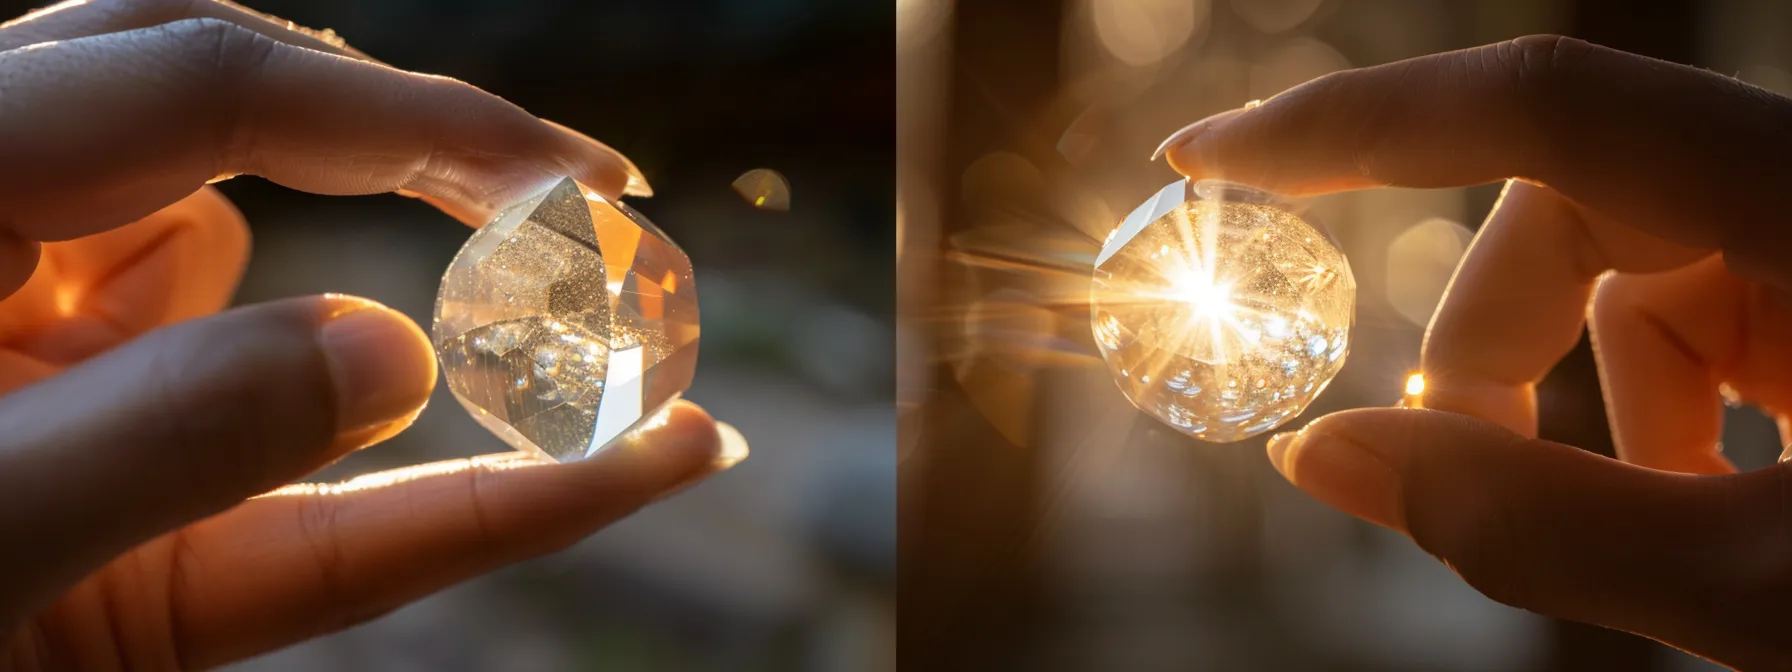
x,y
566,321
1235,311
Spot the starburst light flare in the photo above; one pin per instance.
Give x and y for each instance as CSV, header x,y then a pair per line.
x,y
1219,312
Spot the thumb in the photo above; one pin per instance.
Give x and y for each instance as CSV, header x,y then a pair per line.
x,y
1697,562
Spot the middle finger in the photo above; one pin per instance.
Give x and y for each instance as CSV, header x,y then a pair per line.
x,y
1518,302
89,294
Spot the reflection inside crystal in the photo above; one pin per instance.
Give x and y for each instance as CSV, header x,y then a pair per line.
x,y
1239,310
565,322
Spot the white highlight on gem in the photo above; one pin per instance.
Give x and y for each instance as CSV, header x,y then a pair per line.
x,y
622,397
1220,313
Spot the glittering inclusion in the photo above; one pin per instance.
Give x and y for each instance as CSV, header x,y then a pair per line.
x,y
566,321
1218,312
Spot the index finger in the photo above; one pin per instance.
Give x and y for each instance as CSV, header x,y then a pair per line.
x,y
80,18
102,130
1682,153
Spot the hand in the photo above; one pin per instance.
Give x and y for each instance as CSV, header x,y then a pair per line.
x,y
1644,197
138,425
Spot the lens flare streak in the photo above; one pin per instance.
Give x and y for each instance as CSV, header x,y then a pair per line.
x,y
1224,318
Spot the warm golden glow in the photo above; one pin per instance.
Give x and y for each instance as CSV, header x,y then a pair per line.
x,y
1223,319
1420,263
396,477
1143,32
68,299
1415,384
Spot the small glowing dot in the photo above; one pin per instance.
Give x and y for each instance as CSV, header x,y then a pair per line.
x,y
1145,378
68,299
764,188
1415,384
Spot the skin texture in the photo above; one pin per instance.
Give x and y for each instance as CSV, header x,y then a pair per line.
x,y
145,436
1643,201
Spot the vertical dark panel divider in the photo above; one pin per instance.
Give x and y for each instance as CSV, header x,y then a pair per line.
x,y
970,590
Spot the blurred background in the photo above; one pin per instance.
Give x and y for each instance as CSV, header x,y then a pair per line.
x,y
784,563
1045,523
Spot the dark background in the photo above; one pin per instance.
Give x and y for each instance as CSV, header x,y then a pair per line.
x,y
1046,524
784,563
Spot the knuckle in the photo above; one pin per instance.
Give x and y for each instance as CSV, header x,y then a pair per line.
x,y
1613,294
186,581
221,46
225,61
1539,73
1539,59
479,498
316,523
148,12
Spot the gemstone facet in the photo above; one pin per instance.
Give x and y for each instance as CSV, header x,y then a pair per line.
x,y
566,321
1220,313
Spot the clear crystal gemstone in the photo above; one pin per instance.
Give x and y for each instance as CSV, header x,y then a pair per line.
x,y
566,321
1220,313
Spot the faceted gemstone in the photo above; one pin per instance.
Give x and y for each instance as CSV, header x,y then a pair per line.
x,y
1220,313
566,321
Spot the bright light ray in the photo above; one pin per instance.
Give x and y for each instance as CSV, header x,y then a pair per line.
x,y
1220,343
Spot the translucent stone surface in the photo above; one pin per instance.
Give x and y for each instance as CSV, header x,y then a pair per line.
x,y
566,321
1220,313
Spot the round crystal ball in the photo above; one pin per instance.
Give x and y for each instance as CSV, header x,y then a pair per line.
x,y
1219,312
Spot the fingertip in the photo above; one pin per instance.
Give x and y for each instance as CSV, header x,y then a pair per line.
x,y
731,450
382,366
734,446
603,169
680,436
1350,477
1179,149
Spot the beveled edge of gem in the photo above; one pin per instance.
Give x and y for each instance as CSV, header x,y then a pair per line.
x,y
1234,192
634,215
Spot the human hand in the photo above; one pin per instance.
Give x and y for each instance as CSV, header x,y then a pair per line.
x,y
1645,200
141,430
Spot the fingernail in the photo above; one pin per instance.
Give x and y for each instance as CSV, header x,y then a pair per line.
x,y
1191,131
636,184
733,451
381,364
1347,476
